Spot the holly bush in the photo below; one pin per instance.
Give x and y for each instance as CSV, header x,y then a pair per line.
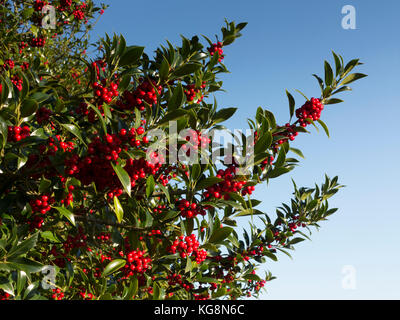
x,y
99,195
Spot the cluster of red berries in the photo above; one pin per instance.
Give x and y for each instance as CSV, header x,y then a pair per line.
x,y
140,169
190,210
134,136
22,46
57,294
70,196
104,94
174,279
216,48
18,133
145,92
51,147
65,4
267,162
201,297
253,252
38,42
41,204
104,237
137,262
17,81
230,184
79,12
310,110
39,4
25,65
42,115
195,140
188,246
159,209
86,295
8,64
191,92
4,295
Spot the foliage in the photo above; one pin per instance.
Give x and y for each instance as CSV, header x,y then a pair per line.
x,y
79,194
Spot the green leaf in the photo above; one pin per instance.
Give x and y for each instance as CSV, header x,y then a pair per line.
x,y
150,185
131,56
224,114
333,101
23,247
277,172
252,277
123,177
220,234
187,69
177,98
74,130
295,240
114,266
28,107
328,74
164,70
352,77
207,182
324,126
48,235
338,65
263,143
291,103
21,281
172,115
66,213
119,211
3,131
133,288
298,152
280,161
156,292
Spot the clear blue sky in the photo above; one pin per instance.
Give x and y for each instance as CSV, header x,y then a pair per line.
x,y
283,44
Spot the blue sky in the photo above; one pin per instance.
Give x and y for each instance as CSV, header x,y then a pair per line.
x,y
284,43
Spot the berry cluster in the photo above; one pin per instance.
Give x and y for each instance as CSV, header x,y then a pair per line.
x,y
39,4
70,196
4,295
42,115
191,92
86,296
8,64
230,184
37,42
104,94
310,110
41,204
18,133
145,92
190,210
137,262
216,48
195,140
57,294
17,81
174,279
140,169
267,162
188,246
65,4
